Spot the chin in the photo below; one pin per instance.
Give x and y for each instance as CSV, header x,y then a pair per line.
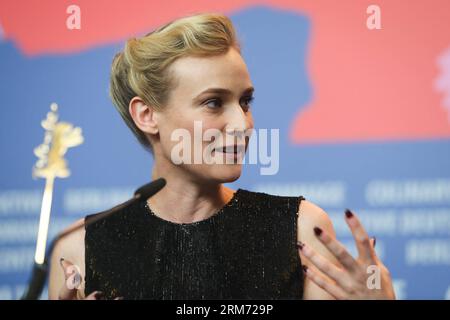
x,y
222,173
229,173
217,174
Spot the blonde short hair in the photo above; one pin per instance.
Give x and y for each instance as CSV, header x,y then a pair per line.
x,y
142,68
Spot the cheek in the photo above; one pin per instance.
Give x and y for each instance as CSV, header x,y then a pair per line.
x,y
172,131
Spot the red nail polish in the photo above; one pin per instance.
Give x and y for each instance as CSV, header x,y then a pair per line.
x,y
348,213
317,231
300,245
305,268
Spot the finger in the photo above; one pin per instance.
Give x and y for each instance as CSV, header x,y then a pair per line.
x,y
373,242
337,249
365,249
67,292
323,283
96,295
326,267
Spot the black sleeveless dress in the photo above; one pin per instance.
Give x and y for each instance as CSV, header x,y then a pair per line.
x,y
246,250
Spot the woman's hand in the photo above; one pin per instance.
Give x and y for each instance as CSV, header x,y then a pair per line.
x,y
72,283
362,278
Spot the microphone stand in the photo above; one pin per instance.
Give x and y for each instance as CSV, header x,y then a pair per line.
x,y
40,270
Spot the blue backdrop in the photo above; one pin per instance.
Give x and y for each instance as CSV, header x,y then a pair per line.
x,y
401,189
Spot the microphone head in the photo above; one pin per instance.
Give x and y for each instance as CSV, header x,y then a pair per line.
x,y
149,189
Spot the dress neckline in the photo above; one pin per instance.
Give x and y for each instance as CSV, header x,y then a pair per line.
x,y
150,213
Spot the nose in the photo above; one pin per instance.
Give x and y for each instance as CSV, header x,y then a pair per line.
x,y
238,123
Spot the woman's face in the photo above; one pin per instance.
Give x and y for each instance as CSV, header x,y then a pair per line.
x,y
212,92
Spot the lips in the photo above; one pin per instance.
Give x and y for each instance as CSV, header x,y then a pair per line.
x,y
231,149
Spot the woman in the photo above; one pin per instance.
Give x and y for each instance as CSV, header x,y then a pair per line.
x,y
197,238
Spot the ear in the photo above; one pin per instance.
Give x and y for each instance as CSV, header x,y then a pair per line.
x,y
144,116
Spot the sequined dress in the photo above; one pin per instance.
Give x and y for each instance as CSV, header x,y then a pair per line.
x,y
245,250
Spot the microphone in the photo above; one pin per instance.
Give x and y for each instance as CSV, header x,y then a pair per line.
x,y
40,271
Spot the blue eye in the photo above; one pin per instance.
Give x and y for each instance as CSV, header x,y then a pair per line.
x,y
246,102
213,103
217,103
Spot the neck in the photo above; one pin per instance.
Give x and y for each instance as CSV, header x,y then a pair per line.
x,y
186,200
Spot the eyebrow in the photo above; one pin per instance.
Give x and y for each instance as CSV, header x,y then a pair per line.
x,y
222,91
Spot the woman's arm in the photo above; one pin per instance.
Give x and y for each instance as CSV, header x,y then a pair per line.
x,y
64,282
310,216
332,273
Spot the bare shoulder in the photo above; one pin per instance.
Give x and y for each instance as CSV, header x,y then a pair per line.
x,y
311,215
69,248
